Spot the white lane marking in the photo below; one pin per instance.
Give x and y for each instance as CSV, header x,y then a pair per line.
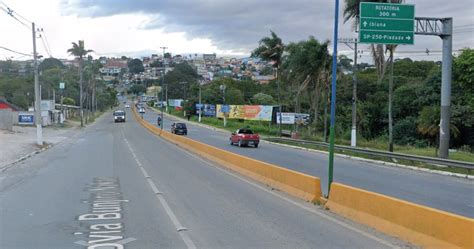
x,y
182,231
120,242
153,187
145,173
314,211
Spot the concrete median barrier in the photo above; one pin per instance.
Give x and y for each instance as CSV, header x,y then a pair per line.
x,y
294,183
417,224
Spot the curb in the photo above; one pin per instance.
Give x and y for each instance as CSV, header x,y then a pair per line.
x,y
375,162
5,167
403,166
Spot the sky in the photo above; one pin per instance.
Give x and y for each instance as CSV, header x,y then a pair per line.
x,y
138,28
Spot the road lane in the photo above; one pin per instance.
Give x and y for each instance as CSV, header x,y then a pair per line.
x,y
51,200
441,192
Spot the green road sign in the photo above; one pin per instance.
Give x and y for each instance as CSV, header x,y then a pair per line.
x,y
386,23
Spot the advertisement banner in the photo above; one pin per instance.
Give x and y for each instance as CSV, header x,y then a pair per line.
x,y
174,102
247,112
293,118
302,119
26,118
287,118
207,110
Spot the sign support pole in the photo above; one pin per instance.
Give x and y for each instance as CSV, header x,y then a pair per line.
x,y
333,97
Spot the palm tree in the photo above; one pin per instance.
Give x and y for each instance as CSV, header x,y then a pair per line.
x,y
271,49
309,60
351,11
78,50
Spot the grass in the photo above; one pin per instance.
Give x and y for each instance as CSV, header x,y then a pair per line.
x,y
266,129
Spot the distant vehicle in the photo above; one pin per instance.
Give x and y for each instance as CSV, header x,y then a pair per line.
x,y
119,116
244,137
127,106
179,128
141,110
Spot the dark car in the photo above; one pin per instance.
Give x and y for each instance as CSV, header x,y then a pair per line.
x,y
119,116
243,137
179,129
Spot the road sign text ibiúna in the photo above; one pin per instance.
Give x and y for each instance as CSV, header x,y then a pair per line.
x,y
386,23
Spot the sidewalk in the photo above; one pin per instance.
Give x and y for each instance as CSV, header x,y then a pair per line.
x,y
21,142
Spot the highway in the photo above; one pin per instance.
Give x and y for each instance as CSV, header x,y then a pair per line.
x,y
115,185
455,195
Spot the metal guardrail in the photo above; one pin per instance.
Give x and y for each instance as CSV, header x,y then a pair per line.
x,y
429,160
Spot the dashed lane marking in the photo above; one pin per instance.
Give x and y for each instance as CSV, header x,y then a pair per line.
x,y
182,231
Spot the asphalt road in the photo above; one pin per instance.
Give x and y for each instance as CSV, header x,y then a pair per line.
x,y
446,193
116,184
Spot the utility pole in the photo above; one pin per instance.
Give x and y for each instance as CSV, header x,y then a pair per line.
x,y
200,103
348,41
390,104
166,93
161,106
39,131
279,99
163,72
222,87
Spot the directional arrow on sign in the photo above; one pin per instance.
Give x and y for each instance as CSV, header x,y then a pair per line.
x,y
365,24
408,38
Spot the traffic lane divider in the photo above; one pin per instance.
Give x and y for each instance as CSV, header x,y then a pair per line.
x,y
292,182
428,227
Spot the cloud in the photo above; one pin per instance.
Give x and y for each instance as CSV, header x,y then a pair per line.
x,y
238,25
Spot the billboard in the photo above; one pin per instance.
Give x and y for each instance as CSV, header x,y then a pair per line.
x,y
247,112
174,102
293,118
286,118
207,110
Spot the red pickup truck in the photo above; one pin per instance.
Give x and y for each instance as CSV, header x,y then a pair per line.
x,y
243,137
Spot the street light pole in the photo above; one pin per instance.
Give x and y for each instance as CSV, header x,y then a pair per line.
x,y
39,128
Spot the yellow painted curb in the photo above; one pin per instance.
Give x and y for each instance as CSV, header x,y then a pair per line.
x,y
292,182
428,227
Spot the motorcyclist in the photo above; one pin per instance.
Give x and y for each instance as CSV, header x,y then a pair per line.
x,y
159,120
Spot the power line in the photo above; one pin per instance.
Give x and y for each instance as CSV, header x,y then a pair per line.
x,y
16,13
13,51
465,25
47,43
9,11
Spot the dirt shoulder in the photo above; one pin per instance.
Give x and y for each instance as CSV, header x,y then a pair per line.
x,y
21,142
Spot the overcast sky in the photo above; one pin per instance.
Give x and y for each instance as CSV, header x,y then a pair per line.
x,y
226,27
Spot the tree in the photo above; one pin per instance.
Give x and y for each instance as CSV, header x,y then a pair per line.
x,y
135,66
309,63
50,63
156,63
262,99
167,55
138,89
351,11
271,49
78,50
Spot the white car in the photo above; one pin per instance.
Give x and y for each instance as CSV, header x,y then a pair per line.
x,y
141,110
127,106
